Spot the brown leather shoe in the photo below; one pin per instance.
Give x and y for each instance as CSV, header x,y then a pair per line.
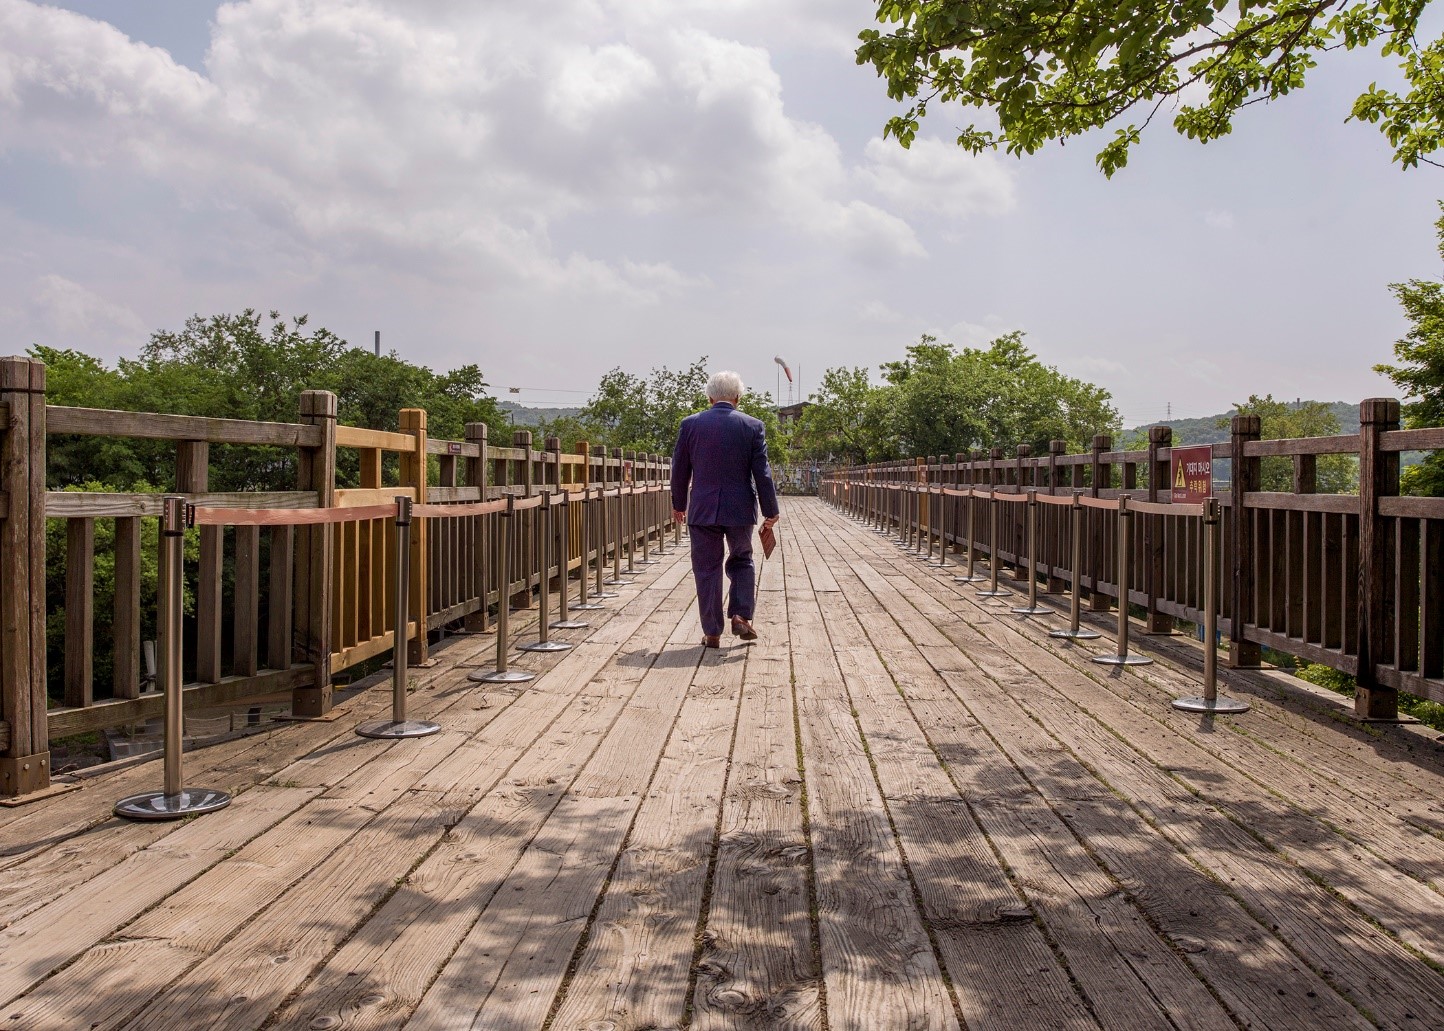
x,y
743,629
712,641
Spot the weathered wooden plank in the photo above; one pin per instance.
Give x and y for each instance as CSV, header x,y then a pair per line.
x,y
384,440
1301,933
76,505
79,612
866,914
54,934
634,968
99,422
1003,967
125,624
378,976
245,657
508,970
280,596
756,967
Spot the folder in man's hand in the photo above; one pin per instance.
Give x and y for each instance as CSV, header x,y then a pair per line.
x,y
768,539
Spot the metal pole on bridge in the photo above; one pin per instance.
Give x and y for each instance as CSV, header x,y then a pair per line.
x,y
970,576
398,726
1121,657
564,620
1033,608
503,675
587,536
993,591
1211,701
1075,604
174,801
544,643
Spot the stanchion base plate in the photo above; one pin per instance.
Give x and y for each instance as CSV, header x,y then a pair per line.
x,y
157,805
505,676
545,646
645,562
590,606
619,583
569,624
969,579
1024,610
1075,635
1122,660
398,728
1221,704
605,594
999,593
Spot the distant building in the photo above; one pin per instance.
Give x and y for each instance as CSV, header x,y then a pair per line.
x,y
788,414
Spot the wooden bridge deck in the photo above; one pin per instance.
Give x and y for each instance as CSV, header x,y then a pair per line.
x,y
903,808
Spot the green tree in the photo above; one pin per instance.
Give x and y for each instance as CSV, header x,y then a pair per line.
x,y
1054,69
1282,420
841,422
1420,370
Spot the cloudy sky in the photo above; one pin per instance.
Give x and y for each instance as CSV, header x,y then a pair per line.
x,y
550,190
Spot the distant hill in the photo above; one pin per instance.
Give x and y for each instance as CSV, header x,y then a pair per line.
x,y
524,416
1207,431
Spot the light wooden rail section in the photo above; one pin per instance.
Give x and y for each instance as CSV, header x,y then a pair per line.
x,y
904,807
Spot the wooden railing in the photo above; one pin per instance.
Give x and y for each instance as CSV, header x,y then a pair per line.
x,y
302,603
1353,581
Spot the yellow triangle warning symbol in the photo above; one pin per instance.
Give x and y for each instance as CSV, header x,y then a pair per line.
x,y
1182,484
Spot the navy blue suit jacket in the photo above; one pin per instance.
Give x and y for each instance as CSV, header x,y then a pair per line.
x,y
722,455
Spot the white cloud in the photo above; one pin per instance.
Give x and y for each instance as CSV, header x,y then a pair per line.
x,y
443,140
63,310
1218,219
934,176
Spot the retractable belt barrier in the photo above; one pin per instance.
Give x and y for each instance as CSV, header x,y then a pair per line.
x,y
175,801
883,505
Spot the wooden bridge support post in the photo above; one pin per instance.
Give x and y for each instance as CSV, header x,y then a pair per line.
x,y
413,474
192,476
24,727
1159,438
1378,478
315,557
1247,472
1018,524
474,471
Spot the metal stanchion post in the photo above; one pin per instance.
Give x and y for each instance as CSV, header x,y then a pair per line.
x,y
1075,604
1211,701
1033,608
503,675
1121,657
993,591
629,527
616,578
943,527
587,538
174,801
544,643
564,620
932,525
398,726
970,575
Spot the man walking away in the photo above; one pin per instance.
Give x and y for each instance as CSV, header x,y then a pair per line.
x,y
721,455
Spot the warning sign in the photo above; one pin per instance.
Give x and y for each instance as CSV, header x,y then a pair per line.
x,y
1191,473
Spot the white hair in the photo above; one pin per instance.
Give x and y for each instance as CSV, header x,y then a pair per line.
x,y
724,386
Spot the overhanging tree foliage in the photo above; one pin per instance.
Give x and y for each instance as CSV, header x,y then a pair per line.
x,y
1054,69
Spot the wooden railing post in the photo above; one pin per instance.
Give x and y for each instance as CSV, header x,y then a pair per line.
x,y
1378,478
24,727
315,557
475,473
1246,478
413,474
192,476
1159,438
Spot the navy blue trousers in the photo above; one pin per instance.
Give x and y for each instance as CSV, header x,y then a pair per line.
x,y
707,569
